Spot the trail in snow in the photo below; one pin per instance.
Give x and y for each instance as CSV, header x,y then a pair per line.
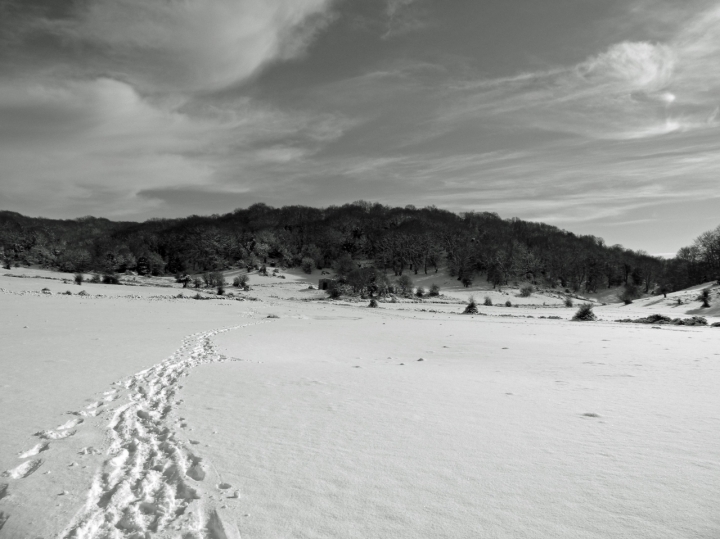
x,y
151,483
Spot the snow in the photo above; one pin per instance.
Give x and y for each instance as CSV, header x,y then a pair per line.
x,y
147,416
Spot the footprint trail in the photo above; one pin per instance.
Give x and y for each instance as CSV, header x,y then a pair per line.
x,y
150,485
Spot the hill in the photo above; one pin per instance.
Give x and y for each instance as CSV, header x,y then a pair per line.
x,y
470,246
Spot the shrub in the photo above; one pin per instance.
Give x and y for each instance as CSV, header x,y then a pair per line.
x,y
220,290
236,282
68,293
585,313
307,264
467,280
7,264
471,307
197,283
679,301
420,292
110,278
334,291
568,302
705,298
508,303
629,293
526,291
79,278
95,278
373,304
434,290
487,302
82,293
344,265
404,284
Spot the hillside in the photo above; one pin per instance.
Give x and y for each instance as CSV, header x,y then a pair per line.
x,y
471,247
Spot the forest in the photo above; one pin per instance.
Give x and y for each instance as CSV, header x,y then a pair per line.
x,y
397,240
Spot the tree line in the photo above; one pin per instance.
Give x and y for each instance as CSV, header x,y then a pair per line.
x,y
395,240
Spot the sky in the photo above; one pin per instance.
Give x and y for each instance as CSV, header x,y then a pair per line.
x,y
598,116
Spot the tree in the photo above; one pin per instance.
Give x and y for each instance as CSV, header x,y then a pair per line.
x,y
404,284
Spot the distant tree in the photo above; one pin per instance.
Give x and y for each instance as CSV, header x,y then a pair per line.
x,y
307,264
404,284
344,265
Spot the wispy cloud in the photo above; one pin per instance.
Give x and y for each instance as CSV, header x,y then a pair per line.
x,y
403,16
95,144
192,45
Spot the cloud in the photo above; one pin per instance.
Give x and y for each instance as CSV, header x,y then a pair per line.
x,y
92,146
403,16
192,45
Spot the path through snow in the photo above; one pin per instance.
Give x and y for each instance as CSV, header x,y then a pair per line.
x,y
151,483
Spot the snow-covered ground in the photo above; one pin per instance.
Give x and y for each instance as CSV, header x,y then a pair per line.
x,y
132,413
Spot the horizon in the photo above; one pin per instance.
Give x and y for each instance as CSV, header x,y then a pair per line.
x,y
596,118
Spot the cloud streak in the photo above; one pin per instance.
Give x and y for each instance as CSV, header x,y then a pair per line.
x,y
192,45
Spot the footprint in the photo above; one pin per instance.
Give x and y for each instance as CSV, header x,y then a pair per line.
x,y
224,486
196,471
70,424
39,448
24,470
55,435
3,519
3,490
591,414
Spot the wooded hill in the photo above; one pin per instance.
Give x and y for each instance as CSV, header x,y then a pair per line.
x,y
400,240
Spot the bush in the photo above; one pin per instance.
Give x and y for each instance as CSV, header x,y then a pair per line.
x,y
307,265
373,304
197,283
82,293
236,282
420,292
526,291
487,302
110,278
220,290
434,290
404,284
471,307
705,298
585,313
568,302
334,292
79,278
629,293
68,293
95,278
508,303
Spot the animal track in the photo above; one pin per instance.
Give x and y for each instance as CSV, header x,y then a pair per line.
x,y
25,469
3,490
150,482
